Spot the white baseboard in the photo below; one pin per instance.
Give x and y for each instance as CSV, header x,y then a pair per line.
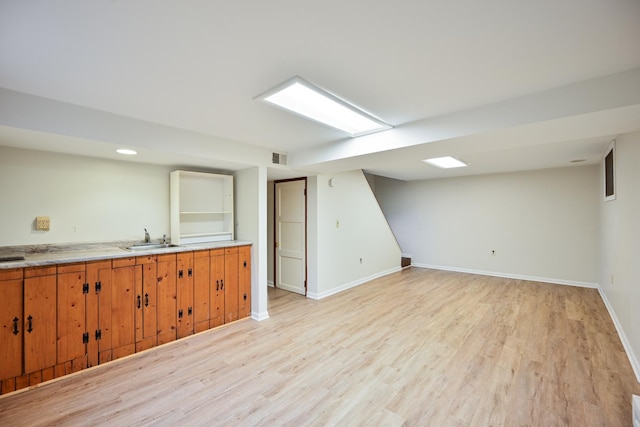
x,y
270,283
625,342
350,285
260,316
512,276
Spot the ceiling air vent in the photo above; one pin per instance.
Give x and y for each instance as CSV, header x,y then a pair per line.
x,y
279,159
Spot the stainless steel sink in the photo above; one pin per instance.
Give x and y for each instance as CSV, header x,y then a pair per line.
x,y
149,246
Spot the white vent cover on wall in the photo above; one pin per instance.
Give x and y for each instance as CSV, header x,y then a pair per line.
x,y
279,159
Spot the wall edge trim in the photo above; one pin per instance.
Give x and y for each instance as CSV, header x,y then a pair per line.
x,y
511,276
344,287
633,360
260,316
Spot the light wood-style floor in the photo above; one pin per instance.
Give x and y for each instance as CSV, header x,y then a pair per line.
x,y
419,347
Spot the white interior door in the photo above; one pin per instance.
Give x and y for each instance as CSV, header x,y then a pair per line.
x,y
290,233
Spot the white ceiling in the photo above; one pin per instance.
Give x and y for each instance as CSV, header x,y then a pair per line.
x,y
197,65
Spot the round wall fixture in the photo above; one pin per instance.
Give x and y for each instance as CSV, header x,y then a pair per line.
x,y
331,182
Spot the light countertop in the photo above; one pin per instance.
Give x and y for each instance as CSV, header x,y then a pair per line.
x,y
41,255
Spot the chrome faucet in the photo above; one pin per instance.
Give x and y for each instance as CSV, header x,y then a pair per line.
x,y
164,239
147,238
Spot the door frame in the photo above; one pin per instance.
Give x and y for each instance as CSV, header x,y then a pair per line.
x,y
275,220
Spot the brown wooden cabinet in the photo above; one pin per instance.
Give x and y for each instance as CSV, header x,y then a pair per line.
x,y
146,292
39,318
72,335
216,289
124,306
244,281
230,284
166,307
201,291
11,327
99,311
185,292
58,319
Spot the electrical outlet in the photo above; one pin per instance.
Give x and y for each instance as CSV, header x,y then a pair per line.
x,y
337,223
42,223
493,252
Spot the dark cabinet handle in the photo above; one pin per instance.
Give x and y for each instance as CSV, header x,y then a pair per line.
x,y
139,301
180,274
245,264
217,285
245,297
30,327
190,311
190,272
221,285
180,313
146,300
15,326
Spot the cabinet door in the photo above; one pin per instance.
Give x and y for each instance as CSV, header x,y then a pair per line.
x,y
216,305
72,314
230,284
99,312
167,298
244,282
39,322
185,294
11,325
146,292
123,308
201,295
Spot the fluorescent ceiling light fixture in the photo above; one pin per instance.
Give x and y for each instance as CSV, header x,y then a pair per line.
x,y
126,151
301,97
446,162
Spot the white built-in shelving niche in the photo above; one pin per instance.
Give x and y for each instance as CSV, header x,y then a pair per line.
x,y
201,207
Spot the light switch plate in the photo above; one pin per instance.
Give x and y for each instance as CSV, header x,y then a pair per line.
x,y
42,223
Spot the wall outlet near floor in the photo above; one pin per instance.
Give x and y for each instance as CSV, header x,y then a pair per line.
x,y
42,223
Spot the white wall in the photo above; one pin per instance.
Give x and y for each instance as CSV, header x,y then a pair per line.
x,y
87,199
542,224
620,245
362,233
251,224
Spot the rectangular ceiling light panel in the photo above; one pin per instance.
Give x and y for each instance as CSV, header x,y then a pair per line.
x,y
446,162
302,98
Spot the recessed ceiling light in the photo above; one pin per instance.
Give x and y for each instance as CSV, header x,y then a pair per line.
x,y
301,97
126,151
446,162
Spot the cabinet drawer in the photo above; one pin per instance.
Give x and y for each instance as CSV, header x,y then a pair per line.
x,y
49,270
11,274
124,262
71,268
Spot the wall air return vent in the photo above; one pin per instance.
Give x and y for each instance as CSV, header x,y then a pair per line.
x,y
279,159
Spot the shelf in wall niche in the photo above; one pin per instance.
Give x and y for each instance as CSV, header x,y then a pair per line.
x,y
201,207
203,234
205,213
186,239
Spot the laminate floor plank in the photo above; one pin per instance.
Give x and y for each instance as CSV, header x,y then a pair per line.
x,y
415,348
